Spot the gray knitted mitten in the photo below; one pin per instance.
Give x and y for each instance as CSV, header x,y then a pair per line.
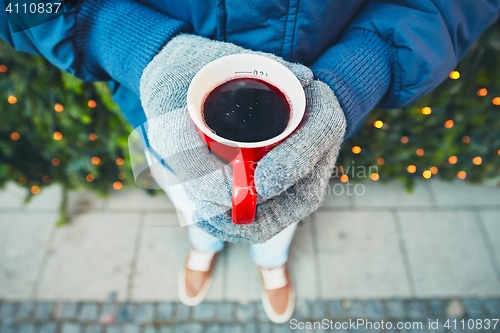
x,y
164,85
297,192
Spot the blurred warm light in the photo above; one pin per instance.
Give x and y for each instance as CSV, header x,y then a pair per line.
x,y
90,178
496,101
58,107
120,161
117,185
411,168
477,160
121,175
434,170
3,68
92,137
455,75
35,189
426,110
404,139
344,178
58,136
462,174
427,174
375,177
452,160
356,149
12,99
46,179
498,152
92,104
482,92
378,123
96,160
15,136
380,160
151,174
449,123
466,139
420,152
22,181
55,162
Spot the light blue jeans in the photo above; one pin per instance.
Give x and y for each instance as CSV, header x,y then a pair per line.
x,y
270,254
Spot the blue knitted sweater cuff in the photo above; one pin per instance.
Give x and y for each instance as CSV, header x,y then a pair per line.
x,y
360,69
116,39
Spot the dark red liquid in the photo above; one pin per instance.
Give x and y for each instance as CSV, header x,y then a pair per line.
x,y
246,110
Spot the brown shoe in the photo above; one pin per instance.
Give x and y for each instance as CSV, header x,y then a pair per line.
x,y
278,296
195,277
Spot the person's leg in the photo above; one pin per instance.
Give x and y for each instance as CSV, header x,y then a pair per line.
x,y
274,252
278,295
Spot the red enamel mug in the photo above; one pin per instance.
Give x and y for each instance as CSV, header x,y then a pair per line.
x,y
243,156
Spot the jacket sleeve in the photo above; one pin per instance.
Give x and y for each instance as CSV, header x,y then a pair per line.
x,y
394,52
99,39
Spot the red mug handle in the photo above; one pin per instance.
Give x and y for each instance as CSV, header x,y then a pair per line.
x,y
244,201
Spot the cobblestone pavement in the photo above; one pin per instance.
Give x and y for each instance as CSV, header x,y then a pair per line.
x,y
214,317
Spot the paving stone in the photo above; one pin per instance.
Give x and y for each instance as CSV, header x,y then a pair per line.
x,y
356,309
126,313
43,310
213,328
6,328
395,308
447,254
150,329
226,312
205,311
265,328
246,311
89,312
164,311
250,328
93,329
318,310
183,313
283,328
48,328
66,310
261,315
472,307
359,255
7,310
374,309
25,310
26,328
492,305
114,329
23,243
336,310
189,328
91,258
302,310
417,309
234,328
166,329
131,328
145,313
109,309
437,307
70,328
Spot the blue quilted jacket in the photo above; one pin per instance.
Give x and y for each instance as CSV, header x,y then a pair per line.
x,y
371,53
